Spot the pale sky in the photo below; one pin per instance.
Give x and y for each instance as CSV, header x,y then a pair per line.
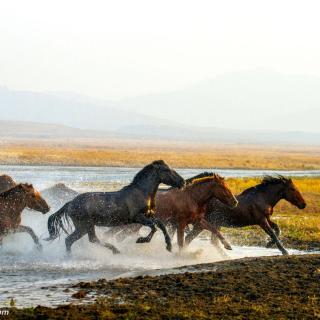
x,y
115,49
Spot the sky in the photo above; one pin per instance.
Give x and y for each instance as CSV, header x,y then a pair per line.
x,y
124,48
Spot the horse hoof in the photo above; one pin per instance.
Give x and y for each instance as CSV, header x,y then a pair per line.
x,y
285,252
228,247
169,247
67,255
115,251
269,244
141,240
39,247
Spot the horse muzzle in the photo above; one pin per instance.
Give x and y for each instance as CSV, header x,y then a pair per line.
x,y
181,184
45,210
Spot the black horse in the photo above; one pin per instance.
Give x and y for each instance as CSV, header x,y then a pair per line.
x,y
123,231
255,207
129,205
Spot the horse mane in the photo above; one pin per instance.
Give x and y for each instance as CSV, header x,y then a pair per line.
x,y
14,188
146,170
190,180
198,176
266,181
274,180
204,179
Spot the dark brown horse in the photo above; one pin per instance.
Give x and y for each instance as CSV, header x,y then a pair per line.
x,y
6,183
255,208
12,203
188,206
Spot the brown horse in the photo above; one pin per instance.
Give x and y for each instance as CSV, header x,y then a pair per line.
x,y
255,208
12,203
6,183
180,207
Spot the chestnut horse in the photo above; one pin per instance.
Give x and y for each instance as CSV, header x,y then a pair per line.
x,y
12,203
255,208
188,206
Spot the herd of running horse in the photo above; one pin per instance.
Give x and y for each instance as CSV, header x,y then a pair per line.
x,y
203,202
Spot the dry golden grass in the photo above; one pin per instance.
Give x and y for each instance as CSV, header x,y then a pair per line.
x,y
249,157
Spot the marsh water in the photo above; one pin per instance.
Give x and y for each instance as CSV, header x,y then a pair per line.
x,y
31,277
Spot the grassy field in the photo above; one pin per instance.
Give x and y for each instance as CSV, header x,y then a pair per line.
x,y
178,156
300,228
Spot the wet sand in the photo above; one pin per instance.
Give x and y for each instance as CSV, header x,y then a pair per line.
x,y
250,288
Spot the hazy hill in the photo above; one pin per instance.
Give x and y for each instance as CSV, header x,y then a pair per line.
x,y
66,110
214,135
259,99
13,130
36,130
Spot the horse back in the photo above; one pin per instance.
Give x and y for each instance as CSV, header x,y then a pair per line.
x,y
175,204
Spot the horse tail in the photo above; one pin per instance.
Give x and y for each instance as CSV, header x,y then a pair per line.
x,y
57,221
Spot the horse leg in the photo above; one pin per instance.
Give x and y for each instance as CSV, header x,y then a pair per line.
x,y
94,239
180,234
128,231
277,231
162,227
197,229
171,228
142,219
267,228
73,237
31,233
216,244
208,226
113,231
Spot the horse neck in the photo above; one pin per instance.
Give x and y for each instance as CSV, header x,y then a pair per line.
x,y
16,199
201,193
273,194
148,185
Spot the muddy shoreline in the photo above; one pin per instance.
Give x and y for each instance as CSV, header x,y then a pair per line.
x,y
250,288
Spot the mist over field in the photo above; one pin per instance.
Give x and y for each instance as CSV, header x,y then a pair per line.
x,y
246,107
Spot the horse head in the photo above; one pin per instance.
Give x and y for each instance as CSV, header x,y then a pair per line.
x,y
219,189
167,175
292,194
34,199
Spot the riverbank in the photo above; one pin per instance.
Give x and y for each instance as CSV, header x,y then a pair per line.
x,y
250,288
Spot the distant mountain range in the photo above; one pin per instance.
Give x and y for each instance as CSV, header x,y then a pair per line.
x,y
256,100
220,103
19,130
79,112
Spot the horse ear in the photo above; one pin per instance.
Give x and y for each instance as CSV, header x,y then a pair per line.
x,y
27,186
158,163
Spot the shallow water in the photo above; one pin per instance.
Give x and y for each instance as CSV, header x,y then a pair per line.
x,y
30,277
84,178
